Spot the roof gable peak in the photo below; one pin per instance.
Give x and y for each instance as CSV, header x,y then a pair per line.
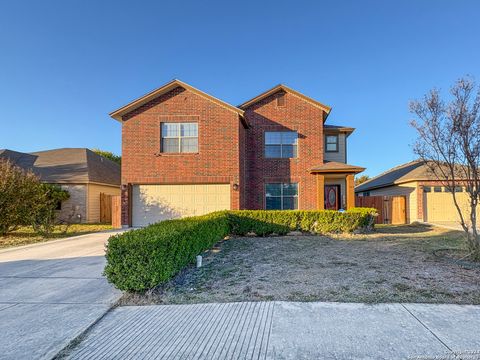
x,y
283,87
120,112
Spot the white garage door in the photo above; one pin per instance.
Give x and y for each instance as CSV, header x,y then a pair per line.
x,y
153,203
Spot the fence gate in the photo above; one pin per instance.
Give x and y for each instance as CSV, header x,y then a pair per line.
x,y
391,209
116,211
105,208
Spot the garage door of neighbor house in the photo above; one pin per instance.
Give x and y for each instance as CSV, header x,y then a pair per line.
x,y
439,207
153,203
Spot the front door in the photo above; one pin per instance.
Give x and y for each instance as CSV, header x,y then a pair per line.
x,y
332,196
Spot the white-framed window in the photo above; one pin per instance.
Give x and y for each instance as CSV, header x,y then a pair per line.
x,y
331,143
281,144
179,137
281,196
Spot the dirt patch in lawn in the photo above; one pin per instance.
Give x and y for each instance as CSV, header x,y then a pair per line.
x,y
393,264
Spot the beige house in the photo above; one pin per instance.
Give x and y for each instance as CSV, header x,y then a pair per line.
x,y
83,173
427,198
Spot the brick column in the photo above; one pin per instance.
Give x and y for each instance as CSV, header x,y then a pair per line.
x,y
235,194
350,191
320,192
126,200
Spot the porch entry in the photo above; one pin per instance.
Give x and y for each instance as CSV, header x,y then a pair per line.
x,y
332,197
329,177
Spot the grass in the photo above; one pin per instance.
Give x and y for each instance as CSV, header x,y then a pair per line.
x,y
26,235
392,264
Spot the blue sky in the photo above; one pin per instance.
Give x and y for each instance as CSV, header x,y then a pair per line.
x,y
64,65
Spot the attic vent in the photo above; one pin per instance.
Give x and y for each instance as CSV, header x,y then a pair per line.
x,y
281,99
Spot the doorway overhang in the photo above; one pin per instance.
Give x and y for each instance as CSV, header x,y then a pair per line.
x,y
337,170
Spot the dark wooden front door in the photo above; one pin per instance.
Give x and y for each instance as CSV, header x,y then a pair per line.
x,y
332,197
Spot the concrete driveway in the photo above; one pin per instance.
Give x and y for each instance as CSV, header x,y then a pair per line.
x,y
50,293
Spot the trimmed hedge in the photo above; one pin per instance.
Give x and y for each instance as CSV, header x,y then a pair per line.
x,y
141,259
266,222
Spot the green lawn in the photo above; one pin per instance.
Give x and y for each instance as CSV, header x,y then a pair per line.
x,y
26,235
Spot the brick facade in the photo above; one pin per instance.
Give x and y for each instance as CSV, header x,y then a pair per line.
x,y
228,151
296,115
218,159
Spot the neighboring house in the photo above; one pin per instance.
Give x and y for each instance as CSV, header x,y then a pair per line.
x,y
185,152
427,198
81,172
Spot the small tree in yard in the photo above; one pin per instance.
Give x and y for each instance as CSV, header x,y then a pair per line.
x,y
42,216
449,143
24,200
18,191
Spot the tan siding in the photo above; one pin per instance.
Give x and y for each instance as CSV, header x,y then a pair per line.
x,y
407,189
340,155
93,201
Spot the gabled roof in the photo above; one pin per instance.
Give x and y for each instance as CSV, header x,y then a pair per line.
x,y
117,114
336,167
67,165
411,171
285,88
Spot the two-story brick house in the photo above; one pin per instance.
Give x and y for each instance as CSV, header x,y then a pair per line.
x,y
185,152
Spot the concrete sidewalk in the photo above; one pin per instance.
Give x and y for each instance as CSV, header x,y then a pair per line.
x,y
285,330
50,293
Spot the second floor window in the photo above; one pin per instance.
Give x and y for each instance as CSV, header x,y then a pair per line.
x,y
331,143
179,137
281,144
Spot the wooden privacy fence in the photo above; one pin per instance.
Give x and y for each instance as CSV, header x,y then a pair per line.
x,y
391,209
105,208
116,212
110,210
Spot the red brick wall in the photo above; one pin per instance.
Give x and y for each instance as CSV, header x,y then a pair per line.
x,y
297,115
218,160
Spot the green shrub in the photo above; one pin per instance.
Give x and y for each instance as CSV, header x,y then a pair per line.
x,y
265,222
141,259
18,194
43,214
24,200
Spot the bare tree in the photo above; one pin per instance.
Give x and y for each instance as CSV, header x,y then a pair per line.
x,y
449,143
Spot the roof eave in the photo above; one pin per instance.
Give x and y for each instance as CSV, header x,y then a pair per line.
x,y
345,129
337,171
397,182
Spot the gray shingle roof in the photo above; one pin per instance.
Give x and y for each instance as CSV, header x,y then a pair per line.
x,y
66,165
414,170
